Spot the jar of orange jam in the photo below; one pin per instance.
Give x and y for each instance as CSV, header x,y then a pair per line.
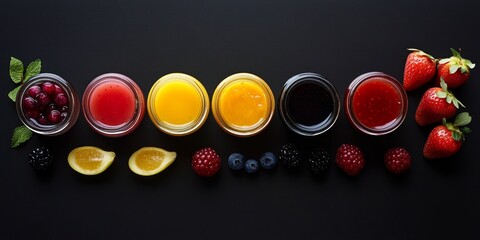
x,y
243,104
178,104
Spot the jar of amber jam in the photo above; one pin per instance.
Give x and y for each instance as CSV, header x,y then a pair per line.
x,y
243,104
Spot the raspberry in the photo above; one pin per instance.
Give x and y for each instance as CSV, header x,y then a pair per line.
x,y
206,162
290,156
350,159
397,160
319,160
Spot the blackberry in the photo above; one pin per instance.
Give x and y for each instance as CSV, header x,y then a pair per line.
x,y
290,156
319,160
40,158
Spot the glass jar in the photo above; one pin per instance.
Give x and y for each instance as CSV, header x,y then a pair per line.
x,y
309,104
178,104
113,105
243,104
375,103
47,104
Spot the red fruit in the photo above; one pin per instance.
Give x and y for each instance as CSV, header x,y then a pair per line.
x,y
33,91
454,70
206,162
48,88
419,69
397,160
54,116
446,140
350,159
436,104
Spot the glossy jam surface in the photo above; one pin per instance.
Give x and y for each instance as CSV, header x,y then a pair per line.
x,y
309,104
243,103
177,103
112,103
377,103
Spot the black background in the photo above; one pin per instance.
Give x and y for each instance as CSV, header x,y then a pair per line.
x,y
211,40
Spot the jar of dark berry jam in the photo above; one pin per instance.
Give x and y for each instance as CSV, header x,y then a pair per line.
x,y
309,104
47,104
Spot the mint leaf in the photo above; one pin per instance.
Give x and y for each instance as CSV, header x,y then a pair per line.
x,y
33,69
13,94
16,70
20,135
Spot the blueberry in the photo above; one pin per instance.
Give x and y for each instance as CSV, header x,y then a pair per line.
x,y
268,160
251,166
236,161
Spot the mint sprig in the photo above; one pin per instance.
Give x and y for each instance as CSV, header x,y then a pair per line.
x,y
17,75
21,133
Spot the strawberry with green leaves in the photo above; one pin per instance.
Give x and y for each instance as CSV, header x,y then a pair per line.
x,y
447,139
436,104
419,69
454,70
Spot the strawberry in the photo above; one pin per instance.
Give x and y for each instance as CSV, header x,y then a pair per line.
x,y
420,68
446,140
350,159
206,162
436,104
454,70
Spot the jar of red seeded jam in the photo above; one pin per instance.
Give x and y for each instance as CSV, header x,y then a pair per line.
x,y
375,103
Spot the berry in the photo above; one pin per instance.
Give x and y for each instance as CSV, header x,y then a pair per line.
x,y
268,160
33,91
61,100
236,161
43,99
33,113
319,160
54,116
446,140
41,119
29,103
436,104
455,70
206,162
350,159
397,160
419,69
58,89
48,88
290,156
40,158
251,166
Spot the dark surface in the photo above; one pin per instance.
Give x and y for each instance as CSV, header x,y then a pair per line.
x,y
210,40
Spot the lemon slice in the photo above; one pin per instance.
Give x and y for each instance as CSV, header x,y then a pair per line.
x,y
148,161
90,160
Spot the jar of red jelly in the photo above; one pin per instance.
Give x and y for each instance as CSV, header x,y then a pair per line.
x,y
113,105
47,104
375,103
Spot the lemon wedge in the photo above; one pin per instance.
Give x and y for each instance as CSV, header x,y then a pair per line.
x,y
90,160
148,161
